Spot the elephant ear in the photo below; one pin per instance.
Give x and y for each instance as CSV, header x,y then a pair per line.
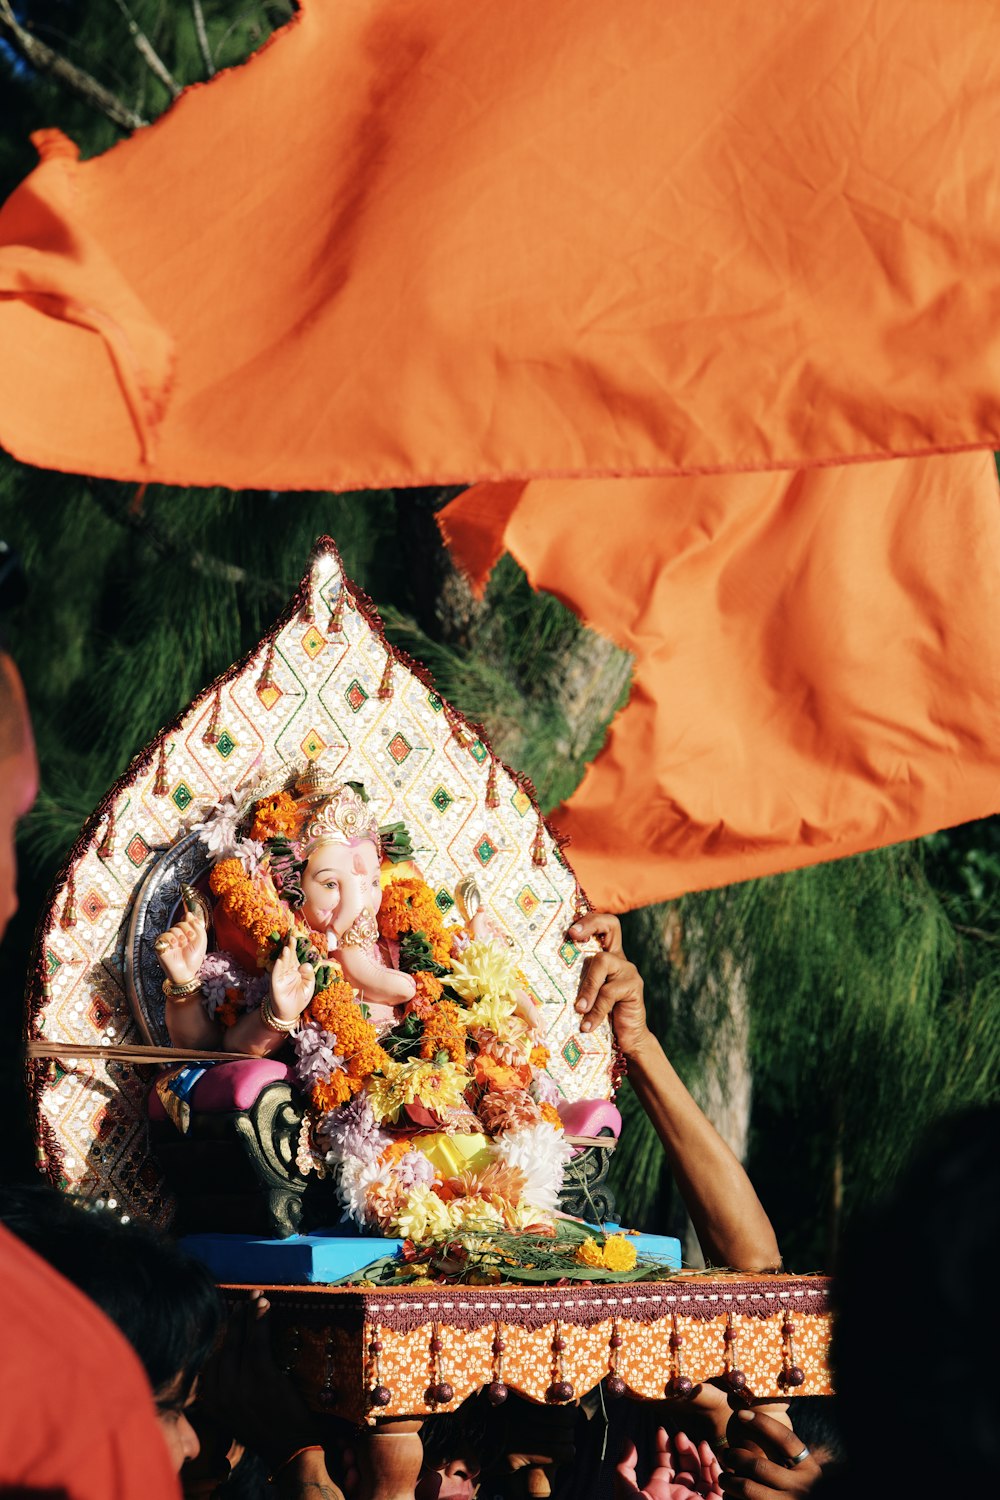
x,y
323,687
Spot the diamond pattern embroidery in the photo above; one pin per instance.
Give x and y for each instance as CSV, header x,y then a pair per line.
x,y
137,849
269,695
442,799
183,796
356,696
521,803
445,900
568,953
313,643
313,745
92,906
528,901
225,744
399,748
485,850
572,1052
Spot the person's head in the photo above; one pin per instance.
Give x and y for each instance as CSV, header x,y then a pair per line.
x,y
165,1304
454,1479
18,779
913,1299
814,1419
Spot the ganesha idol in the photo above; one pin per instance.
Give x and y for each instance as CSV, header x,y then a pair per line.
x,y
415,1042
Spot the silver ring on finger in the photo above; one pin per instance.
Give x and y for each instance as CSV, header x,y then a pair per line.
x,y
798,1458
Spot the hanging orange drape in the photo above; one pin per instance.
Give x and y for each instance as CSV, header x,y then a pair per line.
x,y
424,241
817,659
429,240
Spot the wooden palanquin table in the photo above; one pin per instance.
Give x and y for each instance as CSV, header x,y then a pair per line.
x,y
368,1355
394,1358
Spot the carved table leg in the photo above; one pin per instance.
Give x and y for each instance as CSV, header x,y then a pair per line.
x,y
395,1454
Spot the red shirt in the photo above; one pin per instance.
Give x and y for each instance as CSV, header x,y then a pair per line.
x,y
76,1415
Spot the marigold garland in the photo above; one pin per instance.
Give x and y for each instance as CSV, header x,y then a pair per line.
x,y
334,1092
337,1011
277,815
491,1074
408,905
444,1032
260,916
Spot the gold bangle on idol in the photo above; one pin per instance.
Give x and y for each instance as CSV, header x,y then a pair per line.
x,y
273,1022
181,991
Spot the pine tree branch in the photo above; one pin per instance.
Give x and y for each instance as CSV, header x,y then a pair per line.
x,y
45,60
164,546
977,932
154,62
201,33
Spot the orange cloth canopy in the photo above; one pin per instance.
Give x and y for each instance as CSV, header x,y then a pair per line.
x,y
817,659
423,240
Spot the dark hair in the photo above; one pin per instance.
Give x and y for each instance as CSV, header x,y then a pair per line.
x,y
815,1420
165,1303
914,1301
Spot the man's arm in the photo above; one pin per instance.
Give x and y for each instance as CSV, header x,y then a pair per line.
x,y
730,1222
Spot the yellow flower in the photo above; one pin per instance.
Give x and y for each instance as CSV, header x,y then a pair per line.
x,y
484,968
590,1254
477,1214
619,1253
437,1085
382,1093
494,1012
423,1217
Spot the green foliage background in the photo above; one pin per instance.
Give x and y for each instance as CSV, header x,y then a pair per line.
x,y
871,983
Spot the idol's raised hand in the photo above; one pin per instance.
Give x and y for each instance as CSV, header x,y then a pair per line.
x,y
292,983
181,949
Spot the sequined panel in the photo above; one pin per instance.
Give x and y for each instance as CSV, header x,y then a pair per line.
x,y
322,685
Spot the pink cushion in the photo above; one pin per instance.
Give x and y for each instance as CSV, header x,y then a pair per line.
x,y
229,1086
590,1117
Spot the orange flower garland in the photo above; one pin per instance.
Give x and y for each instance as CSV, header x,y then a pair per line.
x,y
276,815
408,905
444,1032
337,1011
334,1092
261,918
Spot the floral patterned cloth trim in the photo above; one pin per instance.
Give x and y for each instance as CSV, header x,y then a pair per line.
x,y
326,1336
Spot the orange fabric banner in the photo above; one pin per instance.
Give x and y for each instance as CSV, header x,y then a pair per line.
x,y
424,241
817,660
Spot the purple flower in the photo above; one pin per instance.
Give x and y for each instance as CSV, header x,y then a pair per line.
x,y
543,1089
414,1170
220,972
316,1057
352,1132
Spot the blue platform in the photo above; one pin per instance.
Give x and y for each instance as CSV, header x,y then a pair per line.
x,y
327,1255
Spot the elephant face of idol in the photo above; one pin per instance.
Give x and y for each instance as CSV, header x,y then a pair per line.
x,y
340,882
